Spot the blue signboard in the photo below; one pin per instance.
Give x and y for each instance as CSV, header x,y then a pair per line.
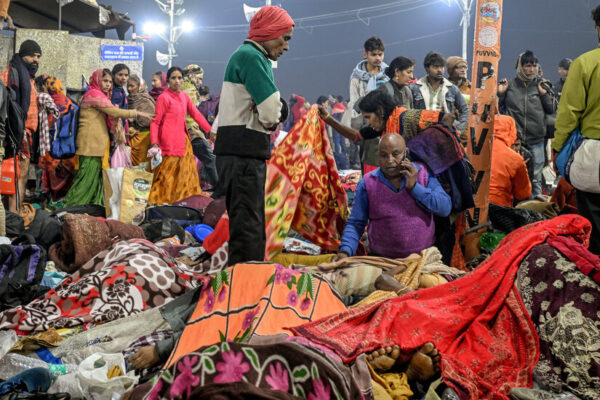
x,y
122,53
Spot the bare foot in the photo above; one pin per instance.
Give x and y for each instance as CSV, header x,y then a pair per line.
x,y
424,364
384,358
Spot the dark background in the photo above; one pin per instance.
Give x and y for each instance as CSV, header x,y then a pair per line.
x,y
321,58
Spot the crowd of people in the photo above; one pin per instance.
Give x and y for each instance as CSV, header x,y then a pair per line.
x,y
378,309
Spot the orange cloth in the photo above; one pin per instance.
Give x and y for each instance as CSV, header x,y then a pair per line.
x,y
31,124
509,179
248,299
4,8
175,178
269,23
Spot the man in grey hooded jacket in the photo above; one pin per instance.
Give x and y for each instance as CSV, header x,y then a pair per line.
x,y
526,100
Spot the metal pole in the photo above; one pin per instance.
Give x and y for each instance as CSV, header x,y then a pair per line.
x,y
466,17
60,4
171,32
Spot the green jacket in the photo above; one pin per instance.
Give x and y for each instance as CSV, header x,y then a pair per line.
x,y
580,100
249,103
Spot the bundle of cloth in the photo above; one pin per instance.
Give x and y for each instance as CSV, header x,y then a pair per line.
x,y
85,236
268,367
365,278
125,279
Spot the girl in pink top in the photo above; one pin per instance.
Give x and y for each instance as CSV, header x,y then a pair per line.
x,y
176,178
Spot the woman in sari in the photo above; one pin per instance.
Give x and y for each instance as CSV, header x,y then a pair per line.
x,y
96,115
139,128
176,177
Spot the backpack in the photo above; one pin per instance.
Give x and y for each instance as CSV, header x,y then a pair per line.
x,y
210,108
15,126
162,229
182,215
65,132
22,271
15,225
45,229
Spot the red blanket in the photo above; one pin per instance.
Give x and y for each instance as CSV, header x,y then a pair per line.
x,y
478,323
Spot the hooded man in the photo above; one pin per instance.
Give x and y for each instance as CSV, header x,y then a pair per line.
x,y
20,76
366,77
249,109
526,100
509,179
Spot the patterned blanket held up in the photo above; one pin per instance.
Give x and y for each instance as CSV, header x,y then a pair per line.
x,y
479,324
249,299
130,277
290,365
303,188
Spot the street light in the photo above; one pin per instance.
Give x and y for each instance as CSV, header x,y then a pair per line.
x,y
187,26
175,32
465,8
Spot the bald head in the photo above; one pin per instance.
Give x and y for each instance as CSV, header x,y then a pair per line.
x,y
392,140
392,151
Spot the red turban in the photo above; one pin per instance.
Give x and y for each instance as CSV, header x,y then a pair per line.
x,y
268,23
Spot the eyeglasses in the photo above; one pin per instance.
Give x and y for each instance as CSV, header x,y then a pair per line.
x,y
463,67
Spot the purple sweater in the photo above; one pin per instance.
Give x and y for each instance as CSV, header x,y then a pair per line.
x,y
400,222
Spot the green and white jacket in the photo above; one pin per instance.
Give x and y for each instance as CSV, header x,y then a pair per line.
x,y
248,82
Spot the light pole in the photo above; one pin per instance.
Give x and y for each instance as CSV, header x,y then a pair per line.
x,y
168,7
465,7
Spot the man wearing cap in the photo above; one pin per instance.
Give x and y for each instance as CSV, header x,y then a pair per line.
x,y
457,74
20,76
249,109
563,71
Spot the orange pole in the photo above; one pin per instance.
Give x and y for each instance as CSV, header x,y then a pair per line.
x,y
482,106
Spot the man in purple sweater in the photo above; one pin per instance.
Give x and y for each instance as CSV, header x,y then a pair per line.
x,y
396,203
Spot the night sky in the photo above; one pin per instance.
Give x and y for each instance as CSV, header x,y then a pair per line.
x,y
321,58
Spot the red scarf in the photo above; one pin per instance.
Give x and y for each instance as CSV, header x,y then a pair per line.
x,y
478,323
95,97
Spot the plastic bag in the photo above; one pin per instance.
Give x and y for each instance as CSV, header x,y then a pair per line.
x,y
121,157
7,340
113,183
93,377
135,192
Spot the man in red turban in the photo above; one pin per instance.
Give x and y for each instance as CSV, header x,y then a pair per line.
x,y
249,109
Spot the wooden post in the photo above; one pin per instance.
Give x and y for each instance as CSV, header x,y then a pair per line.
x,y
482,106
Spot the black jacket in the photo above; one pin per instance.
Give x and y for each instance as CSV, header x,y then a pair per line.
x,y
528,108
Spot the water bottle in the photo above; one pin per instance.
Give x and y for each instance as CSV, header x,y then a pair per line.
x,y
13,364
